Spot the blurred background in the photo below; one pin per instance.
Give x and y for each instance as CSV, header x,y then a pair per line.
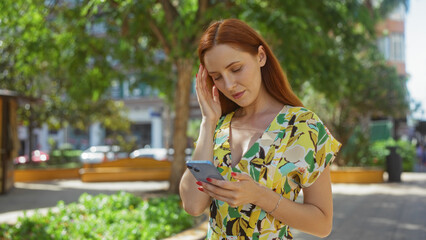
x,y
95,80
96,73
99,81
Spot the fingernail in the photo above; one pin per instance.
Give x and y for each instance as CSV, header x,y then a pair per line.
x,y
198,183
209,179
233,174
196,75
201,189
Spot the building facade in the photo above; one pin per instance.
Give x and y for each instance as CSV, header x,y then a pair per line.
x,y
391,43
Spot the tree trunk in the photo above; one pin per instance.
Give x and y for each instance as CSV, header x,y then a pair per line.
x,y
30,135
182,94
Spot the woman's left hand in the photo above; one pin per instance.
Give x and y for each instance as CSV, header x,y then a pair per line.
x,y
244,190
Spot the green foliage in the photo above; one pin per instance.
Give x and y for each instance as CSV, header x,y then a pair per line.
x,y
64,156
118,216
48,54
407,151
49,165
357,150
193,129
363,152
50,51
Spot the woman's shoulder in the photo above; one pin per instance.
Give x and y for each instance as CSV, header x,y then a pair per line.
x,y
301,114
224,120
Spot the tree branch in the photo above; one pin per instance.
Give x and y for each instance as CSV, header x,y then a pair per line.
x,y
202,7
170,11
199,20
113,3
160,36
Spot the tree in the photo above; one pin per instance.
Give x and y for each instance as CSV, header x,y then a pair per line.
x,y
44,56
320,42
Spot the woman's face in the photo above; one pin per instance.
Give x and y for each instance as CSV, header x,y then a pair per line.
x,y
236,73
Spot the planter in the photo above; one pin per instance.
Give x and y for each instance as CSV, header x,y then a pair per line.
x,y
32,175
138,169
357,175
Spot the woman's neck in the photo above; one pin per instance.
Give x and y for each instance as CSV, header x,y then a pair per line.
x,y
263,104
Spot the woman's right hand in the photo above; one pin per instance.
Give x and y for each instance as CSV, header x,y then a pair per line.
x,y
207,98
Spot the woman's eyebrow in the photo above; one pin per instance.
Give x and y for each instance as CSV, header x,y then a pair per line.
x,y
229,65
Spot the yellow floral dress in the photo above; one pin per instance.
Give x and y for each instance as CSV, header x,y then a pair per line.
x,y
292,152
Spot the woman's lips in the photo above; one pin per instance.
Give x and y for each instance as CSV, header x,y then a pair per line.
x,y
238,95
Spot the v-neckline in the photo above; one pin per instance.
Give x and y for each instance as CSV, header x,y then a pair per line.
x,y
228,139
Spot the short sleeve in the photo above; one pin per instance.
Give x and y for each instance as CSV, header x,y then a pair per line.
x,y
311,148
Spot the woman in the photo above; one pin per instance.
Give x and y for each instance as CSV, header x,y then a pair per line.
x,y
266,145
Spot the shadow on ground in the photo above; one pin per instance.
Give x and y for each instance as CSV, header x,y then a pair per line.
x,y
388,211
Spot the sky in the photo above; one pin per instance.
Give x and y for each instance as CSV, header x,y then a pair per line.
x,y
415,55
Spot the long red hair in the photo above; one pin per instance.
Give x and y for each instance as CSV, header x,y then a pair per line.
x,y
237,32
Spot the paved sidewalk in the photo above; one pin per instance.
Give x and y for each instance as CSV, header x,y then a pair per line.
x,y
387,211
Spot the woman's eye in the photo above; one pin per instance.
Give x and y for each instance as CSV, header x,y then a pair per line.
x,y
236,70
216,78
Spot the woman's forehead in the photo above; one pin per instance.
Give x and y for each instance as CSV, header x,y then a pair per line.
x,y
220,56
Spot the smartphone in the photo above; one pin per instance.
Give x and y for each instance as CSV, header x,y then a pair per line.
x,y
203,170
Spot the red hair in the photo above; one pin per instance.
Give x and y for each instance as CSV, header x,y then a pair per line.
x,y
238,33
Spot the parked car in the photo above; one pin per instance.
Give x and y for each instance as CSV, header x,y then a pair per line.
x,y
37,156
21,160
103,153
160,154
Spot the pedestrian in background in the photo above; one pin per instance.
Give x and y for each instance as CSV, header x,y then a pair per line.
x,y
265,144
423,162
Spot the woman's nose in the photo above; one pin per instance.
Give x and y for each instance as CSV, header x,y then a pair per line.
x,y
230,83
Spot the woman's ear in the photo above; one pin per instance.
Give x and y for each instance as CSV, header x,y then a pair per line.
x,y
261,55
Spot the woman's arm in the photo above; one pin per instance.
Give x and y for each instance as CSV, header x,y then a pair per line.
x,y
314,216
194,201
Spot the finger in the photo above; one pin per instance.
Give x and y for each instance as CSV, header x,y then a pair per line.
x,y
200,88
241,176
203,80
221,184
201,189
199,69
228,197
215,93
197,80
217,191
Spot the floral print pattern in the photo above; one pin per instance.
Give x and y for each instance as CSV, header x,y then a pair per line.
x,y
291,154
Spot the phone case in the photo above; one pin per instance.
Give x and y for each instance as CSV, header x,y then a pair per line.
x,y
203,169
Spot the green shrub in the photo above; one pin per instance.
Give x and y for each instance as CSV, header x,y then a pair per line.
x,y
64,156
379,150
119,216
357,151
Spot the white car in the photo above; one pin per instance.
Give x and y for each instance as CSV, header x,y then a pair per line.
x,y
104,153
160,154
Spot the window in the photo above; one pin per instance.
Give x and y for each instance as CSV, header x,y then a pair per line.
x,y
116,90
392,47
397,52
383,45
